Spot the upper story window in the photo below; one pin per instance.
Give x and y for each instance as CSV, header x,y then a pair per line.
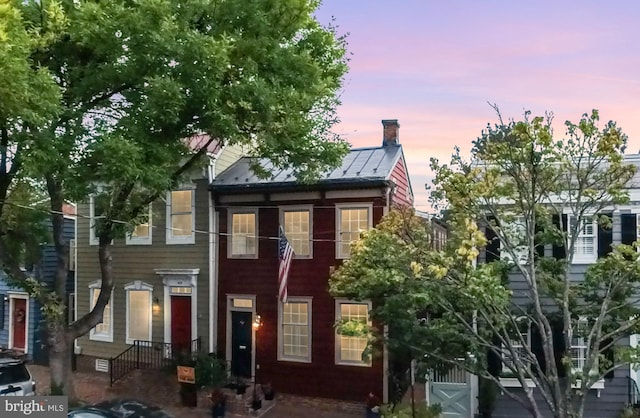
x,y
294,335
181,217
515,232
297,226
351,220
243,227
350,347
586,243
104,330
141,235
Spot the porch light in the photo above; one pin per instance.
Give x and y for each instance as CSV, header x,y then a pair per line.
x,y
156,304
257,322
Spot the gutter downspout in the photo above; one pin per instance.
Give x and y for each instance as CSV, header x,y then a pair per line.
x,y
385,351
213,265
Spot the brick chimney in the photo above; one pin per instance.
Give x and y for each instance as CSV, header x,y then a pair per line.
x,y
390,132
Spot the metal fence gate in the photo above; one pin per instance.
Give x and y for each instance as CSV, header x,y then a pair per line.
x,y
456,392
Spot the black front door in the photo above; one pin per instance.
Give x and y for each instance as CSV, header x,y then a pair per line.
x,y
241,343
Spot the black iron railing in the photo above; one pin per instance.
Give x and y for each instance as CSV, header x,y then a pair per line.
x,y
634,393
151,355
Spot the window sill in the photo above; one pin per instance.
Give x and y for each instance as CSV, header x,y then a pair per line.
x,y
598,385
513,382
178,241
101,337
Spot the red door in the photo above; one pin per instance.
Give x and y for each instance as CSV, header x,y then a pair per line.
x,y
181,324
19,323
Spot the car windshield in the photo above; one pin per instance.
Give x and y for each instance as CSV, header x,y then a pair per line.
x,y
14,373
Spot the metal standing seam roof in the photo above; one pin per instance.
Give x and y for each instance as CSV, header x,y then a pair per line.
x,y
359,165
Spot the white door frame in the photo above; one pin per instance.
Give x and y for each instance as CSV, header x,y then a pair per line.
x,y
179,278
252,309
12,298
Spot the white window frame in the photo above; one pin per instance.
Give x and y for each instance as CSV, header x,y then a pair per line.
x,y
99,336
579,344
71,307
138,285
300,208
343,206
338,340
584,258
187,239
510,229
93,239
148,240
281,355
242,211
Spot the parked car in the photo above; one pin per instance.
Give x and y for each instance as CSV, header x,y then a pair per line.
x,y
15,378
120,408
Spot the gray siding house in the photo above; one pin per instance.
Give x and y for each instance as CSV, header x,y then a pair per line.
x,y
608,396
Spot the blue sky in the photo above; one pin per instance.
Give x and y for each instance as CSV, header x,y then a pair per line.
x,y
435,65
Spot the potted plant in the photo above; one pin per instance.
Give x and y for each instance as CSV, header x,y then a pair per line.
x,y
256,402
373,406
268,392
218,403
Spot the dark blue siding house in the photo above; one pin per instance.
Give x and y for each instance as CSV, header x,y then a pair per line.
x,y
22,327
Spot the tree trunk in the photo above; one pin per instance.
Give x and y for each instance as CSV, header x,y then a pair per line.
x,y
60,351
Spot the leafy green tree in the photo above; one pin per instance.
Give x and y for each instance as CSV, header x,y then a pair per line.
x,y
510,197
104,97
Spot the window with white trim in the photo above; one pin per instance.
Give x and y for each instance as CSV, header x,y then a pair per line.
x,y
141,234
515,231
243,228
586,243
181,216
351,220
520,342
579,345
297,226
139,311
350,347
294,336
71,308
103,331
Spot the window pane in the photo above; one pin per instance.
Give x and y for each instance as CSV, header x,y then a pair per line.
x,y
352,347
139,311
295,330
105,326
141,231
296,228
243,239
181,201
352,222
181,225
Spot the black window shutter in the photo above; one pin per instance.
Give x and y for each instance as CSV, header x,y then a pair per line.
x,y
2,311
494,362
628,227
559,252
536,348
493,245
559,347
609,356
538,244
605,238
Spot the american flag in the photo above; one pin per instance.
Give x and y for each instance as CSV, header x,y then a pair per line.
x,y
285,254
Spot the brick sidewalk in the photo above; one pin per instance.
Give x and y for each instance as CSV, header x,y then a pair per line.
x,y
94,387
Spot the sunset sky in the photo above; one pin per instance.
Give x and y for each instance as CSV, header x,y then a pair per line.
x,y
435,65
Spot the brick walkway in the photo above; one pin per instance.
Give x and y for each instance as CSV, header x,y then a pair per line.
x,y
94,387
